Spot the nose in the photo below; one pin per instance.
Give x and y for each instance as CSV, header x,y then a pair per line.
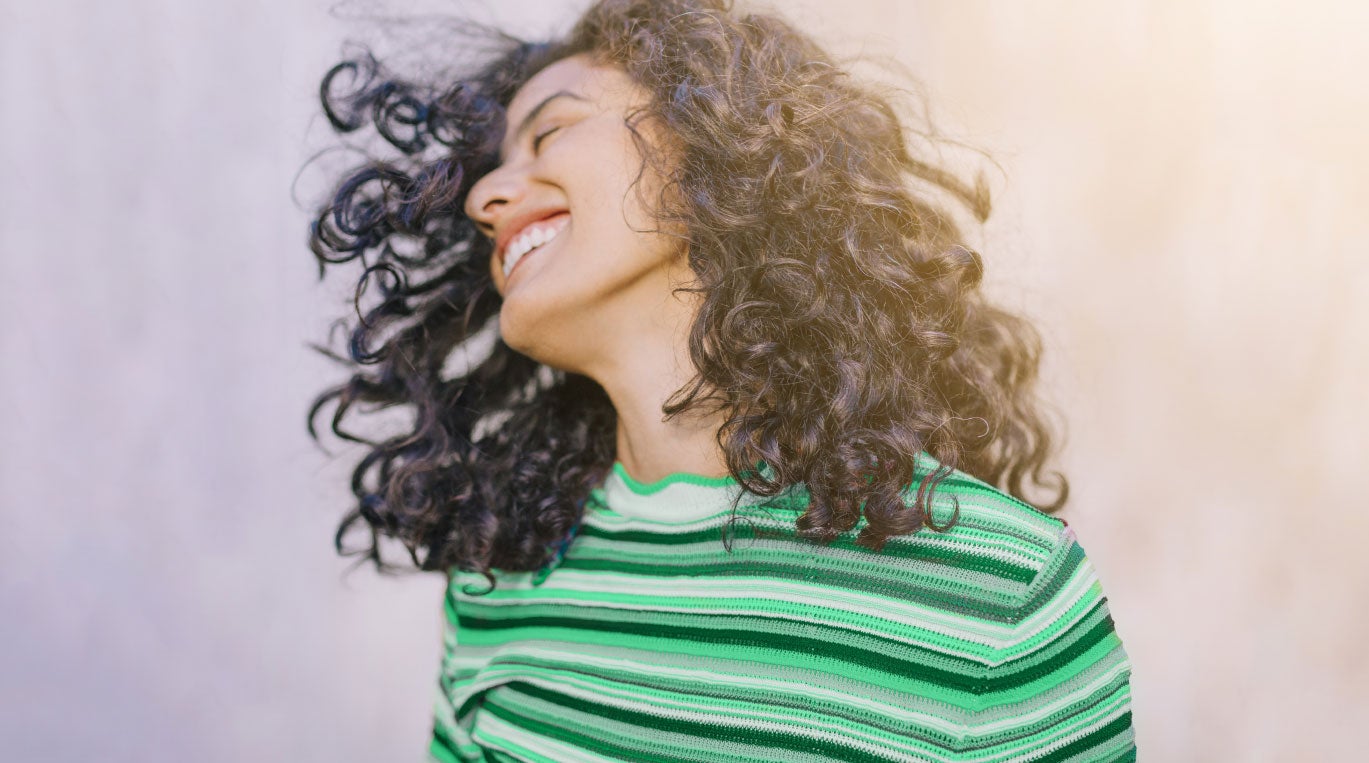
x,y
489,197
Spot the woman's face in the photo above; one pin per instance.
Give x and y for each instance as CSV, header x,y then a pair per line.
x,y
578,258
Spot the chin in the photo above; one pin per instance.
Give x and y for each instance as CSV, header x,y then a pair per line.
x,y
516,334
529,337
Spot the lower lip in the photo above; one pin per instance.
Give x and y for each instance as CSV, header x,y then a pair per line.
x,y
535,252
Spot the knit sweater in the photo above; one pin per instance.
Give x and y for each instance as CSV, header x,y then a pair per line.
x,y
647,640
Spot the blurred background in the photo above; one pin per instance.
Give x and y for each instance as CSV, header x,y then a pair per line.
x,y
1181,193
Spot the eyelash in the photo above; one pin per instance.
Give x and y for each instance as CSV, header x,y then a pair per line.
x,y
537,139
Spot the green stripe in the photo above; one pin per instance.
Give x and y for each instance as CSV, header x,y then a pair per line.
x,y
585,741
729,701
1119,725
959,603
946,558
676,478
920,667
758,737
442,748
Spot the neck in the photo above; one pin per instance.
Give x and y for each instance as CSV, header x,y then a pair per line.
x,y
650,448
651,363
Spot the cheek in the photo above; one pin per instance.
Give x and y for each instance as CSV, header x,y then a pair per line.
x,y
496,275
627,201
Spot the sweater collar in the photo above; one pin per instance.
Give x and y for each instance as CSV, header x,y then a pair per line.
x,y
677,498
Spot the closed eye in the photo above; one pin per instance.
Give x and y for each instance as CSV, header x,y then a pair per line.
x,y
537,139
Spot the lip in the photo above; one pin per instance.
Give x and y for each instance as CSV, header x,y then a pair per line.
x,y
517,223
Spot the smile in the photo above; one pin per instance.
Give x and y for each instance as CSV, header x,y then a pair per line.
x,y
534,236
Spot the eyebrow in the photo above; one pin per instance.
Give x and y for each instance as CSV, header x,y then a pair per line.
x,y
532,115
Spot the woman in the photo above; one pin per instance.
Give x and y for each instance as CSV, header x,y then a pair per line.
x,y
711,428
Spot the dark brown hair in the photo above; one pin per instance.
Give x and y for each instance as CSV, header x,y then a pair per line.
x,y
842,326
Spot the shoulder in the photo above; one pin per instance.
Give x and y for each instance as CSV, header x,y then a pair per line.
x,y
996,567
1046,653
996,548
1006,582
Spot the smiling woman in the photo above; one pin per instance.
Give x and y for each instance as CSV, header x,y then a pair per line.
x,y
728,306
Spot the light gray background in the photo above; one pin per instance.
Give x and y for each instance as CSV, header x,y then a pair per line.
x,y
1181,207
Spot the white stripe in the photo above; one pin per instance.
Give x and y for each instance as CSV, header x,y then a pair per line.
x,y
622,666
754,717
932,620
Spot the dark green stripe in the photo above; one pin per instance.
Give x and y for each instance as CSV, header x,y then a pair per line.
x,y
967,679
877,722
1117,726
584,741
943,558
745,566
1077,645
1128,755
442,747
1033,734
704,731
1056,580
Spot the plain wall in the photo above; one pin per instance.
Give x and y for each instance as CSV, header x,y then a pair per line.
x,y
1179,204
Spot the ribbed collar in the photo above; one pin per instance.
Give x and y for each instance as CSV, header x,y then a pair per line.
x,y
678,498
683,498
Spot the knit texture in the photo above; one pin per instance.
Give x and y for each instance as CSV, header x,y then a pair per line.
x,y
648,641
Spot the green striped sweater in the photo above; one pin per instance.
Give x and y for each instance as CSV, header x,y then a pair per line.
x,y
650,641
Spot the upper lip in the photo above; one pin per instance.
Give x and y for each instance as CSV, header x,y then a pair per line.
x,y
515,225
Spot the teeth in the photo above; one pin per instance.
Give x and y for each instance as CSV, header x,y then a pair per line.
x,y
532,237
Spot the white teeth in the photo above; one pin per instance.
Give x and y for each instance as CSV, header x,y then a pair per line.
x,y
530,238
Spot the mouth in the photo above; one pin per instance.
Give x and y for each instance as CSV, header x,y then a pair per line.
x,y
533,237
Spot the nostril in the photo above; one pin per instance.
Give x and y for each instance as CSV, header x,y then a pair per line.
x,y
488,210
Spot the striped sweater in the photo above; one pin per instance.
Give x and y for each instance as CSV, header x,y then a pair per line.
x,y
649,641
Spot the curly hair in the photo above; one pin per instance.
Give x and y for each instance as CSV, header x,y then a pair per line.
x,y
841,327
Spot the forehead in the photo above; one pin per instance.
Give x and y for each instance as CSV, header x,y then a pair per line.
x,y
603,84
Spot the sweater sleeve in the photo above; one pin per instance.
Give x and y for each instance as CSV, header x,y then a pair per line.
x,y
447,741
1060,688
